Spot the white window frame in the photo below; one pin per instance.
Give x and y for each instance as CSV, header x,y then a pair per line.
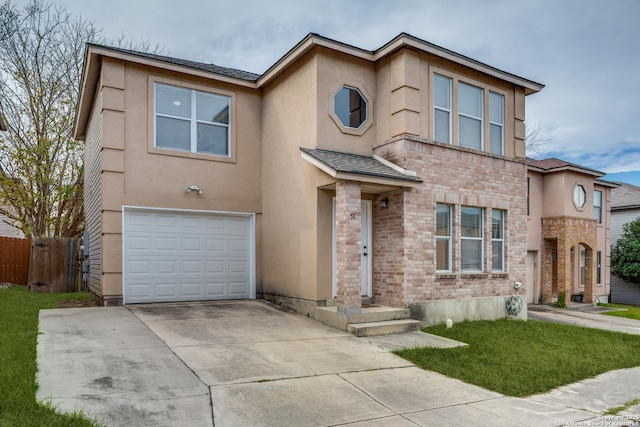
x,y
480,118
494,95
498,240
597,208
480,239
448,239
193,120
439,108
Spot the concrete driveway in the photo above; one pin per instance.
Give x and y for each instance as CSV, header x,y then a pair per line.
x,y
252,363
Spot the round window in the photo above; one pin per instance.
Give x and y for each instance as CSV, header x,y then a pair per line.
x,y
350,107
579,196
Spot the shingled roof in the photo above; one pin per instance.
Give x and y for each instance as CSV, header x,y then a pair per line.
x,y
358,164
211,68
553,164
625,196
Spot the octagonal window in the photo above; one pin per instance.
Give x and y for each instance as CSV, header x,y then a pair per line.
x,y
579,196
350,107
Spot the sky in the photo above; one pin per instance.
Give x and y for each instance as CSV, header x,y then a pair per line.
x,y
586,52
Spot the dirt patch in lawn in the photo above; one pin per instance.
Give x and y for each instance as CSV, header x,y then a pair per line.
x,y
89,302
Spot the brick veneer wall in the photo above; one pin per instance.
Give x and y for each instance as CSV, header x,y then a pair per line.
x,y
348,247
560,234
404,232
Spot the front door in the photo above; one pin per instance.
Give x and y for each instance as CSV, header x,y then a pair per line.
x,y
366,249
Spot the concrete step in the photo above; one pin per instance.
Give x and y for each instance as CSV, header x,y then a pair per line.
x,y
384,327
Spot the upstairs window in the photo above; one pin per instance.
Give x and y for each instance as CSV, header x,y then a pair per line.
x,y
471,239
597,205
470,105
579,196
192,121
496,123
351,107
442,108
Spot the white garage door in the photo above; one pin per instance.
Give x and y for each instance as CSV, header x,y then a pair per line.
x,y
185,256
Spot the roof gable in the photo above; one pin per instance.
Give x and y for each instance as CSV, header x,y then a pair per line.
x,y
95,52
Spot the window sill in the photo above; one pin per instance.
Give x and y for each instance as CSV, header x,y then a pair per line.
x,y
190,155
474,275
446,276
499,274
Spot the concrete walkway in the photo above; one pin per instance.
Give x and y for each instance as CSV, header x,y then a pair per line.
x,y
252,363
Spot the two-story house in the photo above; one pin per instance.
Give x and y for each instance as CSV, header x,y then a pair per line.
x,y
340,175
568,233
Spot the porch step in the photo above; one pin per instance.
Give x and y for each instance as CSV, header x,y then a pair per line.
x,y
383,327
369,314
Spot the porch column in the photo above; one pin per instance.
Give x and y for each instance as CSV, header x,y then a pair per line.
x,y
348,247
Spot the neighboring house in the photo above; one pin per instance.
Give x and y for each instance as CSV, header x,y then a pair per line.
x,y
6,228
625,207
338,176
568,232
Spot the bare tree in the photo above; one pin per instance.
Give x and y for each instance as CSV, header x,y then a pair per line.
x,y
535,141
41,165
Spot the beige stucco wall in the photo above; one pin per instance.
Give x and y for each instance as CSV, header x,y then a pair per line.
x,y
134,173
289,184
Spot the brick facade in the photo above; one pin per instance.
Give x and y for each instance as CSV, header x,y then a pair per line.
x,y
560,236
348,247
404,232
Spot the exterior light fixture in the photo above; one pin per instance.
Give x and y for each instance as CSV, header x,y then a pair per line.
x,y
194,188
384,202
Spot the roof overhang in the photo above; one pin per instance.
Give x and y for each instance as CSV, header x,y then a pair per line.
x,y
371,182
401,41
605,183
567,168
95,53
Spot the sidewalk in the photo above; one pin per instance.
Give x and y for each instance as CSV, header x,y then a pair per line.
x,y
585,315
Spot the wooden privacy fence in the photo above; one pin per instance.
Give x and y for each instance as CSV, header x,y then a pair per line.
x,y
15,255
55,265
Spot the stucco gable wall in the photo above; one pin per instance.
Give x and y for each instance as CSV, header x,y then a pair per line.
x,y
405,99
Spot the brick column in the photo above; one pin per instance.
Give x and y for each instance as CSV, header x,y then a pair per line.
x,y
348,247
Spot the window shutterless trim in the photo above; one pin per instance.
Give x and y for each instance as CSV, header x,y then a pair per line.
x,y
448,239
469,116
193,120
500,240
480,239
496,123
449,111
188,85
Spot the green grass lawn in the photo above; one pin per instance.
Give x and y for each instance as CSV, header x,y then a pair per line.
x,y
18,337
519,358
628,311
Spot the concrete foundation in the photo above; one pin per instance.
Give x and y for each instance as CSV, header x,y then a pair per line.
x,y
485,308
